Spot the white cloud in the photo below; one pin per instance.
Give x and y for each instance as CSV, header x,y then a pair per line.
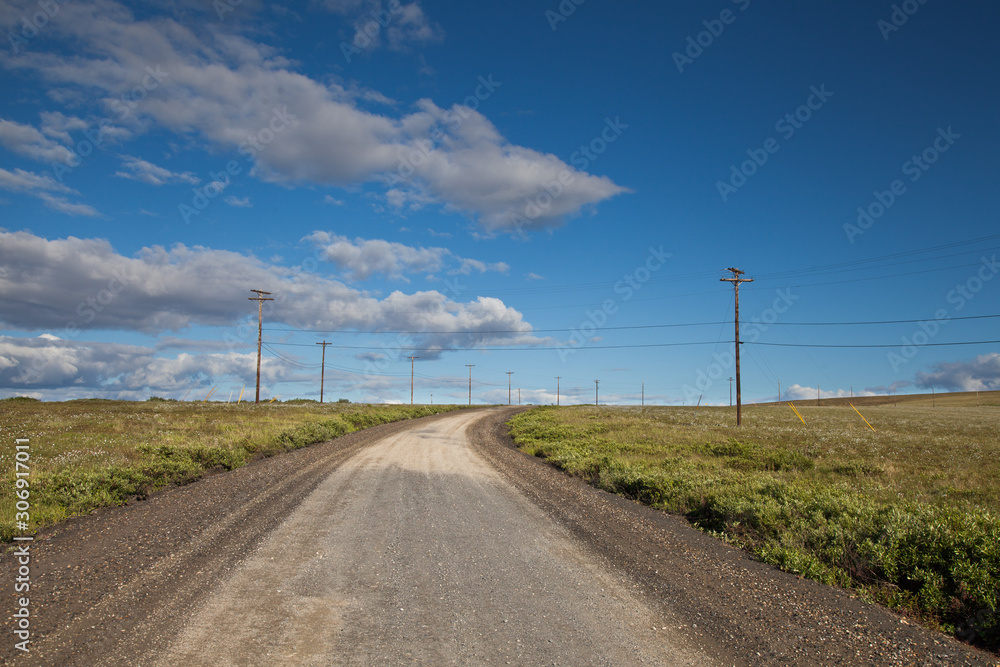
x,y
979,374
363,258
47,362
31,142
393,25
229,92
42,187
238,202
332,201
69,285
138,169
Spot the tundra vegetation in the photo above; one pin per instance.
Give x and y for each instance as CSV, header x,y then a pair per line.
x,y
87,454
907,514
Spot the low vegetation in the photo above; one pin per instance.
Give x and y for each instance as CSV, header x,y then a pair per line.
x,y
93,453
906,514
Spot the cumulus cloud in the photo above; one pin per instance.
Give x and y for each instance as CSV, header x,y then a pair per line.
x,y
48,362
77,284
138,169
979,374
239,202
363,258
235,94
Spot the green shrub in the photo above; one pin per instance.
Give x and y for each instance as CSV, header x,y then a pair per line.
x,y
939,563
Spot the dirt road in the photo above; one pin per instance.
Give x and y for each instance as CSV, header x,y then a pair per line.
x,y
430,542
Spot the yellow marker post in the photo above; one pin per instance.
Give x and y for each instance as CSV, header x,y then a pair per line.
x,y
796,413
240,400
863,417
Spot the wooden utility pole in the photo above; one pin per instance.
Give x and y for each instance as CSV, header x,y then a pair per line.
x,y
322,371
736,281
597,386
558,377
411,377
730,392
509,373
470,382
260,299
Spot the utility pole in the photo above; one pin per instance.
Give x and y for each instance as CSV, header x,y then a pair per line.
x,y
322,371
260,299
558,377
470,382
509,373
779,393
411,377
519,396
731,392
597,386
736,280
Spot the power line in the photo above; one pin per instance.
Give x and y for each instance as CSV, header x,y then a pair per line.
x,y
628,328
971,342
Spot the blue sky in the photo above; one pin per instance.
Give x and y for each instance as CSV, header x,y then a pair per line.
x,y
553,189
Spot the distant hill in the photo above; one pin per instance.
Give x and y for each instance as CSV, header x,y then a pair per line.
x,y
951,399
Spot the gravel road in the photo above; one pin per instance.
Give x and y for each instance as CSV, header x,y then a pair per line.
x,y
429,542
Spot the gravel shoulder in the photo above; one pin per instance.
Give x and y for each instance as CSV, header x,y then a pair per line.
x,y
438,528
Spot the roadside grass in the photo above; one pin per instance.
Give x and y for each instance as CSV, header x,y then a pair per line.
x,y
95,453
906,515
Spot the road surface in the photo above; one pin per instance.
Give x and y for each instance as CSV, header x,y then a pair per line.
x,y
431,542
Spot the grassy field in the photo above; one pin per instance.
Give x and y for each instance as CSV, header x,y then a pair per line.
x,y
93,453
906,514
